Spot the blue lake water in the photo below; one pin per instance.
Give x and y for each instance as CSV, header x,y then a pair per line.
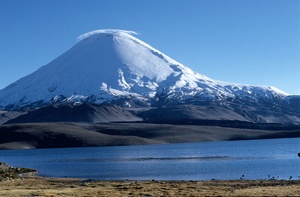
x,y
255,159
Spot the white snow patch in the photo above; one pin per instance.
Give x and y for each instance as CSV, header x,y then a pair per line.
x,y
104,31
279,91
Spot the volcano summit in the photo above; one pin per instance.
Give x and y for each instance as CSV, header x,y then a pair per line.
x,y
112,66
105,64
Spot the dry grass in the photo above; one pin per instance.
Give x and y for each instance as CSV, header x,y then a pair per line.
x,y
50,187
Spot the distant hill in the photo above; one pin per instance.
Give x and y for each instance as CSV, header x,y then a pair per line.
x,y
58,135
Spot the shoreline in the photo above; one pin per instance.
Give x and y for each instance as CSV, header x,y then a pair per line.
x,y
46,186
26,182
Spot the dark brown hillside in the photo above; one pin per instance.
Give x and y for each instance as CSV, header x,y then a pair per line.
x,y
57,135
79,113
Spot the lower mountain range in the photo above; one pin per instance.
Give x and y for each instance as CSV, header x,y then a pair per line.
x,y
107,125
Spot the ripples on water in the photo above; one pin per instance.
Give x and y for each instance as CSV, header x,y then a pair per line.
x,y
143,159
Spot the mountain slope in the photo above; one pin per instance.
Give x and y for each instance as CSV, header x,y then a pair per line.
x,y
82,113
112,66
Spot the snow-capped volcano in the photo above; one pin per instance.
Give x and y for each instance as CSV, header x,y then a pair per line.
x,y
111,65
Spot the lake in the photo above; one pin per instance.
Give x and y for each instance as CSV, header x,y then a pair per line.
x,y
250,159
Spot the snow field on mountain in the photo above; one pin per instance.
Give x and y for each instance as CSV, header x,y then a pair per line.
x,y
107,64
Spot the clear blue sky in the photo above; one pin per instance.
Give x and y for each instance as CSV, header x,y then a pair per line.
x,y
243,41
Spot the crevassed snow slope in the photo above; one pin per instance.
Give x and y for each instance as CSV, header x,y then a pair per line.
x,y
106,64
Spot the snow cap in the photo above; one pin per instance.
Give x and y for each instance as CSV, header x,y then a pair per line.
x,y
104,31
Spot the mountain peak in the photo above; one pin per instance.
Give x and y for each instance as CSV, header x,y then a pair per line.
x,y
105,32
110,64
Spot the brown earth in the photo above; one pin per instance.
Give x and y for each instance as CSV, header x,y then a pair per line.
x,y
38,186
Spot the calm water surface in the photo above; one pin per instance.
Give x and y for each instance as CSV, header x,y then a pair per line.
x,y
255,159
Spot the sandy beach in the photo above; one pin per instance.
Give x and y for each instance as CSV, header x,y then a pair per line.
x,y
39,186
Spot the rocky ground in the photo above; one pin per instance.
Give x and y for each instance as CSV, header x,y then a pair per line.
x,y
8,172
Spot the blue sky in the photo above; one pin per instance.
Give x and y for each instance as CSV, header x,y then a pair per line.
x,y
243,41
